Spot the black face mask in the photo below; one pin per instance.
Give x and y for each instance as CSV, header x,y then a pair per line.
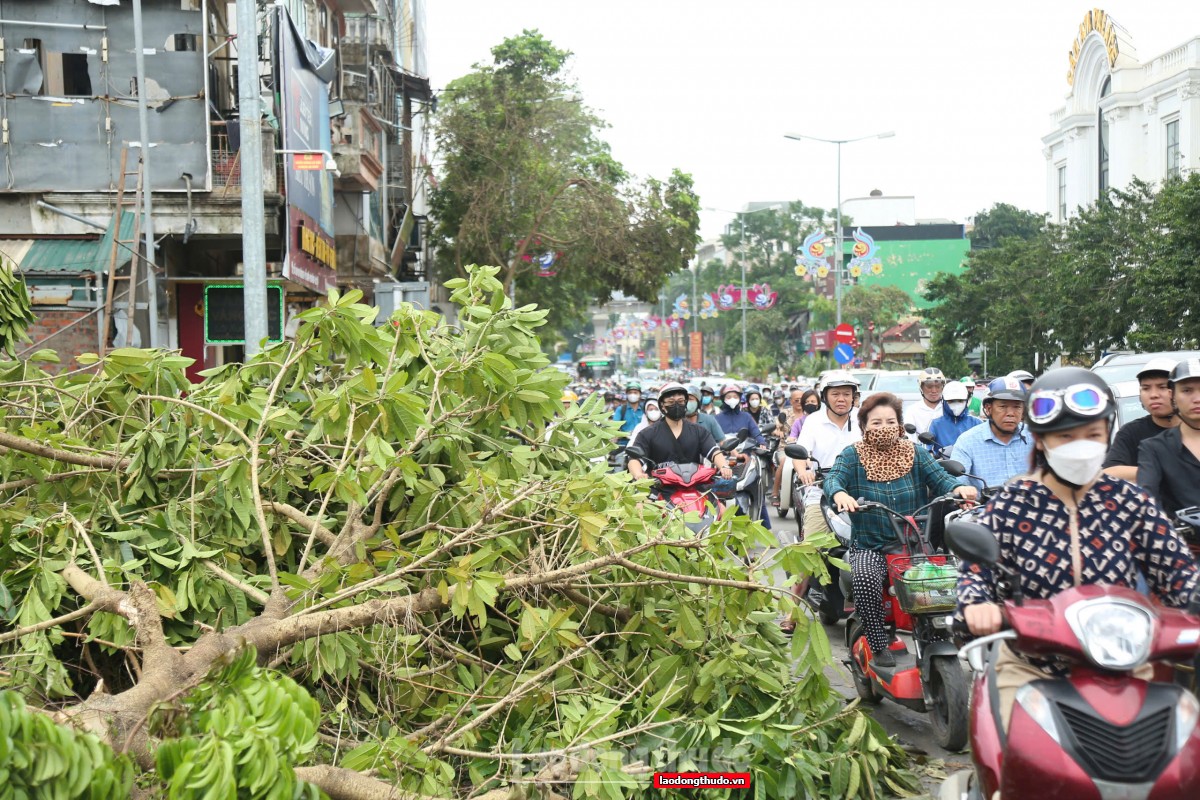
x,y
675,412
811,409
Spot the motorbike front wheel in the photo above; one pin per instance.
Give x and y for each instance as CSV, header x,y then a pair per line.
x,y
949,689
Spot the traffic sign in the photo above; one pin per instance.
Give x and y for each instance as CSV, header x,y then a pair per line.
x,y
843,354
844,333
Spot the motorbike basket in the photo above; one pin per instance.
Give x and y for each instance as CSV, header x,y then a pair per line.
x,y
925,584
724,488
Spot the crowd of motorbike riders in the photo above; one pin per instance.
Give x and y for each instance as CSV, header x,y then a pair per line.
x,y
1034,459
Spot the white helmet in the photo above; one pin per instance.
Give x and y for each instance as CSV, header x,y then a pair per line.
x,y
838,377
954,391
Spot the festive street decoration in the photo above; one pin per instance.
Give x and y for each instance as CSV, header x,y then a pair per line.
x,y
682,309
545,259
864,255
674,323
727,297
812,255
708,306
761,296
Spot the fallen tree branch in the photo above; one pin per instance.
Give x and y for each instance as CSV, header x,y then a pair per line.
x,y
309,524
64,456
87,610
621,615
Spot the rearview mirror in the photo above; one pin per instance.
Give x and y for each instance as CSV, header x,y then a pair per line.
x,y
926,438
973,542
743,434
796,451
910,428
955,468
768,429
635,452
729,442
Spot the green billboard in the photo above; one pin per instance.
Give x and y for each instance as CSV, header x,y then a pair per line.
x,y
909,265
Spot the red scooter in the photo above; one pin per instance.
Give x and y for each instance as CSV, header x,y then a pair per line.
x,y
690,487
1100,733
918,596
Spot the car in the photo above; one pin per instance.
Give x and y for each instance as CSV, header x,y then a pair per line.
x,y
1118,367
1129,403
902,383
866,378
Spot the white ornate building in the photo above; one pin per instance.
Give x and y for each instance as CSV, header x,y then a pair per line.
x,y
1124,118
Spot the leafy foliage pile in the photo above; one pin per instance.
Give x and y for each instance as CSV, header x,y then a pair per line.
x,y
1116,276
40,759
16,311
446,591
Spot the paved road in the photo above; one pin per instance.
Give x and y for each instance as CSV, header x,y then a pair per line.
x,y
911,729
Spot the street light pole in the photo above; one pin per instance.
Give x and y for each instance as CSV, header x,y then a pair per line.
x,y
254,238
837,249
742,220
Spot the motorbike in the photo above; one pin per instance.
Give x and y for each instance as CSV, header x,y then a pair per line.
x,y
753,483
688,487
829,600
1100,732
918,595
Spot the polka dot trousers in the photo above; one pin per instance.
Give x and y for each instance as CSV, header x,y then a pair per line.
x,y
870,570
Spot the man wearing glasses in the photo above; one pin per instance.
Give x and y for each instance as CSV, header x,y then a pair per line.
x,y
673,439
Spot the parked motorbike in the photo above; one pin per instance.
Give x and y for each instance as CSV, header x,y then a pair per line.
x,y
918,595
1100,732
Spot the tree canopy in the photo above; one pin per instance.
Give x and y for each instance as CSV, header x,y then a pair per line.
x,y
1118,275
525,172
380,561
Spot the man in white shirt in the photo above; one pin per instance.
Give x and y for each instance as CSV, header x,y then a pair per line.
x,y
825,436
923,412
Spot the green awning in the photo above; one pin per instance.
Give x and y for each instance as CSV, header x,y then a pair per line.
x,y
79,255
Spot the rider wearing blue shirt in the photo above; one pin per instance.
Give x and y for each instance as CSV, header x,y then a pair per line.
x,y
629,413
955,421
732,418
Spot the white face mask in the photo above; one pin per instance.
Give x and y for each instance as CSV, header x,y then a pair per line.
x,y
1077,462
732,402
755,402
633,397
653,414
956,407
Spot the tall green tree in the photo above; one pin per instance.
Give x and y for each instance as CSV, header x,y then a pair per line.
x,y
1003,221
525,172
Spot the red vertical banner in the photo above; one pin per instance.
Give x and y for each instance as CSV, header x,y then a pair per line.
x,y
664,354
696,351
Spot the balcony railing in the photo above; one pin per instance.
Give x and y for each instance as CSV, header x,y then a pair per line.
x,y
227,160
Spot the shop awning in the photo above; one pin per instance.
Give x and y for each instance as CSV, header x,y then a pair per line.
x,y
71,255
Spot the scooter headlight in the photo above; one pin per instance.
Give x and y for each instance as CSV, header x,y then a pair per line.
x,y
1039,707
1115,634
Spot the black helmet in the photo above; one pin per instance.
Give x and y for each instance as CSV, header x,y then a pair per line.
x,y
1184,371
1066,398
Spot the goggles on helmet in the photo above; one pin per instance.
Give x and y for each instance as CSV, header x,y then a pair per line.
x,y
1046,405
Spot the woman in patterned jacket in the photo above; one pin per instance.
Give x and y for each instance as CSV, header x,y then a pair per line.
x,y
1068,524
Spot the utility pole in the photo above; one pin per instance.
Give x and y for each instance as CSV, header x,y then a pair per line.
x,y
254,244
742,219
147,186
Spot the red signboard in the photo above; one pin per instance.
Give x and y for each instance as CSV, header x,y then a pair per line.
x,y
844,333
821,340
696,351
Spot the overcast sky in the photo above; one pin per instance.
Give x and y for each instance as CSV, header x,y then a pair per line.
x,y
711,87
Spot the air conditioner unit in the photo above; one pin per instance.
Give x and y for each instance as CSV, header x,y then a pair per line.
x,y
923,333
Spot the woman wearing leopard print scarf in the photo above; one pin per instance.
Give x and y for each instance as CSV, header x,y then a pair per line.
x,y
885,468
